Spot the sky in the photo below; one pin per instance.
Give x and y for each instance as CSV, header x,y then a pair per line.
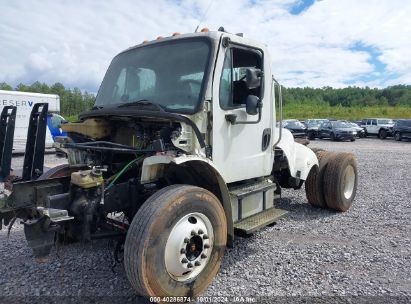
x,y
314,43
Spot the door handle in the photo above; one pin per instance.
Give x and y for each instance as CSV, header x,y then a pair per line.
x,y
266,139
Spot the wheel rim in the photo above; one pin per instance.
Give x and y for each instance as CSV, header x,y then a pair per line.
x,y
348,181
189,247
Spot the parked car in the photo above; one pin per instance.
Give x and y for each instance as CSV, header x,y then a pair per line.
x,y
402,129
337,130
360,130
296,127
382,127
313,125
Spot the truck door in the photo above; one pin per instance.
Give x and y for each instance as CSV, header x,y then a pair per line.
x,y
241,151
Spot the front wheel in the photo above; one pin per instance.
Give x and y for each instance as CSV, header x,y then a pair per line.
x,y
176,242
397,136
382,134
332,137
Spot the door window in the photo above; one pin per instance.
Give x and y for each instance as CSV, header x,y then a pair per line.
x,y
233,88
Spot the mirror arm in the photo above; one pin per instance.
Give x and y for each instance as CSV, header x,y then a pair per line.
x,y
232,118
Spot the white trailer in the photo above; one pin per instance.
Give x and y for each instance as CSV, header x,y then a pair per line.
x,y
24,102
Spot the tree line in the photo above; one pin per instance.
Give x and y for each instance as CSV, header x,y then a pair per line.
x,y
72,101
350,96
75,101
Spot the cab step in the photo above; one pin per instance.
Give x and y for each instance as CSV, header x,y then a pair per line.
x,y
252,223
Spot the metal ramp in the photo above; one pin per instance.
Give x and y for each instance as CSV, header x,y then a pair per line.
x,y
7,126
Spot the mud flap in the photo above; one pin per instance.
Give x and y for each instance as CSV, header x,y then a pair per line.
x,y
39,236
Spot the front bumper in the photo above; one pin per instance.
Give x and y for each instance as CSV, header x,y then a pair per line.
x,y
345,135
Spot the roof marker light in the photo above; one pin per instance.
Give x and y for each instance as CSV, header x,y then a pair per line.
x,y
205,30
176,34
160,37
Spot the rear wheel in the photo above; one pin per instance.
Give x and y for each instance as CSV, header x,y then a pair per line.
x,y
176,242
332,137
340,181
352,139
397,136
314,185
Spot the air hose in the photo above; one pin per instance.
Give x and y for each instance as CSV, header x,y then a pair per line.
x,y
122,171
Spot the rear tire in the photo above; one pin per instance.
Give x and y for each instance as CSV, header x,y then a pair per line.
x,y
397,136
352,139
314,185
340,181
177,226
332,136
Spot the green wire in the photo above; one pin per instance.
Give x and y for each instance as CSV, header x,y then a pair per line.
x,y
126,167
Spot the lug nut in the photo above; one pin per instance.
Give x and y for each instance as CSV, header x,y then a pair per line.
x,y
197,263
203,256
205,237
182,251
186,240
206,246
193,232
184,261
189,265
200,231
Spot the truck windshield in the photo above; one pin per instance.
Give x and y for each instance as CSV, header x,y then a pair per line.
x,y
169,74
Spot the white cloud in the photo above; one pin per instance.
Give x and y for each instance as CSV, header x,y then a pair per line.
x,y
73,42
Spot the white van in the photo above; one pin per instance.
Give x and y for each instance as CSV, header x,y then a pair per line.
x,y
24,102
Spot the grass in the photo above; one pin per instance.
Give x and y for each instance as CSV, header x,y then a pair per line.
x,y
71,118
308,110
304,111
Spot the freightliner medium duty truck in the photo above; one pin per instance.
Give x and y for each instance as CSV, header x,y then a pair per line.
x,y
179,155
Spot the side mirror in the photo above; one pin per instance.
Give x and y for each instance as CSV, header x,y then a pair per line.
x,y
253,77
252,104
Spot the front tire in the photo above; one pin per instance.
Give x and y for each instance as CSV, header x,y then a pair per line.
x,y
397,136
176,242
333,137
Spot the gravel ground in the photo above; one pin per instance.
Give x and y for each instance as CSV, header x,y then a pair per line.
x,y
312,252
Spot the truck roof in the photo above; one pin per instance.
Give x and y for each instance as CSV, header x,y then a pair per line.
x,y
215,35
18,93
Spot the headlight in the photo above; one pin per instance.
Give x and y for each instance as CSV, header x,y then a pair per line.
x,y
355,132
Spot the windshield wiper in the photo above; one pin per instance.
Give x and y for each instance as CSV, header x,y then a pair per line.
x,y
142,102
